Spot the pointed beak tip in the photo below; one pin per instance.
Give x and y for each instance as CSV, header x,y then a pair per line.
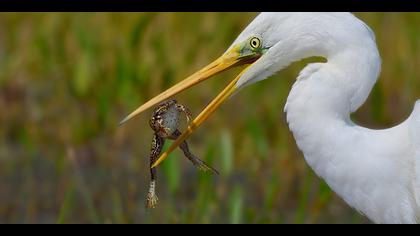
x,y
122,122
154,165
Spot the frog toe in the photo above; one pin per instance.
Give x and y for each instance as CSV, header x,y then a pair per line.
x,y
204,167
152,200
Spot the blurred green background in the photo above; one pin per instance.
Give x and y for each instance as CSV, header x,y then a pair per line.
x,y
67,79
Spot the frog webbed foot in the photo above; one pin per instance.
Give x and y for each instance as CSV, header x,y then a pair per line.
x,y
152,199
201,165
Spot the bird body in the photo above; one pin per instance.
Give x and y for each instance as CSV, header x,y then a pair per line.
x,y
372,170
376,172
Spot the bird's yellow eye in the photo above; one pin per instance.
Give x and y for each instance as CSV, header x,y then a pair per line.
x,y
255,42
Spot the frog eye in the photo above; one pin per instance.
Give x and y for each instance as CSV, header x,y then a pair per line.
x,y
255,42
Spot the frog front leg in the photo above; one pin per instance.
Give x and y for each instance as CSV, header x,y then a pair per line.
x,y
184,110
200,164
157,146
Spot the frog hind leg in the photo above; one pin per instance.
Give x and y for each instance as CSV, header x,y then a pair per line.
x,y
157,146
200,164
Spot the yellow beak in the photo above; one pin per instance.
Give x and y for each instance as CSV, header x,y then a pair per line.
x,y
228,60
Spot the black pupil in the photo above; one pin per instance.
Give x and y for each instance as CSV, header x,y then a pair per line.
x,y
254,43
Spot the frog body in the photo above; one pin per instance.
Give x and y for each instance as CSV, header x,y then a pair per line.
x,y
165,122
165,119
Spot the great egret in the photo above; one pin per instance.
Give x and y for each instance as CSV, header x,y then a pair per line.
x,y
376,172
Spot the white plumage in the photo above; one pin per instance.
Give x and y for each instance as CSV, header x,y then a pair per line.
x,y
375,171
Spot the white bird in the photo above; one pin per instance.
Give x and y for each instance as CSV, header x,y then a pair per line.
x,y
376,172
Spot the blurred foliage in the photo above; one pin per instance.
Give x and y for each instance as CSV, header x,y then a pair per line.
x,y
68,78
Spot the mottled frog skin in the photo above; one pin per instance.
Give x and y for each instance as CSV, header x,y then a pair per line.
x,y
165,122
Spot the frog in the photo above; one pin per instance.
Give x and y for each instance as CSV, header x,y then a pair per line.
x,y
164,121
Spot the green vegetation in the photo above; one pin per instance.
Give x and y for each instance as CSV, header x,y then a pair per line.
x,y
67,79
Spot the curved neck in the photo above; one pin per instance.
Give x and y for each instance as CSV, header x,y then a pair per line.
x,y
321,100
339,86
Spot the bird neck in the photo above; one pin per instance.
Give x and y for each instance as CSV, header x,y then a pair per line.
x,y
323,97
